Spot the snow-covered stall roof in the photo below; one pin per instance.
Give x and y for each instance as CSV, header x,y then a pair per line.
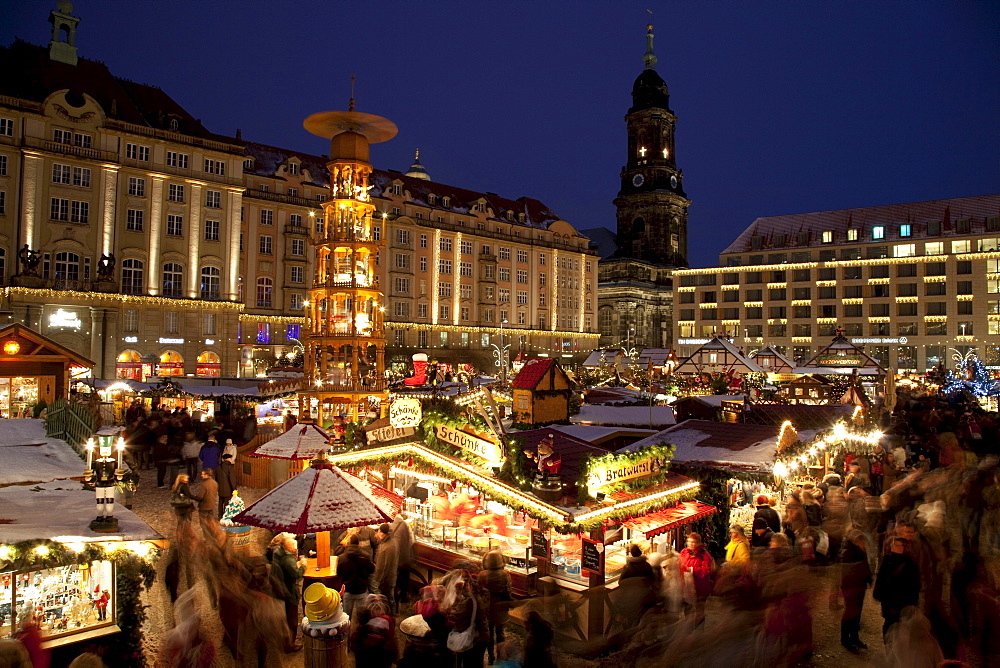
x,y
27,455
726,444
61,508
321,498
595,434
624,416
713,400
303,441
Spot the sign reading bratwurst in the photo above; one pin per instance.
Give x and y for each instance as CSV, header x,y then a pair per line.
x,y
614,472
480,447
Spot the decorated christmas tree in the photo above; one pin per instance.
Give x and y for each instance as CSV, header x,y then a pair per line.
x,y
233,508
972,376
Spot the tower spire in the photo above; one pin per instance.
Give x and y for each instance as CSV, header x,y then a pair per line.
x,y
649,58
350,103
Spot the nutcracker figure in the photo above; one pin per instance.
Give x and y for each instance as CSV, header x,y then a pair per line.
x,y
103,473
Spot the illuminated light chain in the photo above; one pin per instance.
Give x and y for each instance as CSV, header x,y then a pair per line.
x,y
279,319
419,476
641,500
60,295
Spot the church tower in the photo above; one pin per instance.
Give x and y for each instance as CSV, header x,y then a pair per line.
x,y
651,204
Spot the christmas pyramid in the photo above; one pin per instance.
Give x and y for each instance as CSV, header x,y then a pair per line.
x,y
233,508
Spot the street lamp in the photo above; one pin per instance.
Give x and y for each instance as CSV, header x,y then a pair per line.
x,y
503,356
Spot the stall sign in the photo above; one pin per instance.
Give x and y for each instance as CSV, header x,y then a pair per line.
x,y
64,318
782,377
539,544
591,558
390,433
610,474
839,360
405,412
480,447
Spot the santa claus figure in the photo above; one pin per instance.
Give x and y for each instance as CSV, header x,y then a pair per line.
x,y
101,599
547,460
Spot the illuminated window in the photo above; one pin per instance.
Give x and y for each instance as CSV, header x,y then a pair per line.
x,y
878,232
905,230
827,236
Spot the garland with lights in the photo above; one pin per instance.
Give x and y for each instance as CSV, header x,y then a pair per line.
x,y
836,441
133,574
450,414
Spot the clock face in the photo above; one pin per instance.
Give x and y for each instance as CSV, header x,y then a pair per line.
x,y
638,180
673,181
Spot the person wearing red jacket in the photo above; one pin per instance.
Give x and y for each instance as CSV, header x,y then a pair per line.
x,y
697,568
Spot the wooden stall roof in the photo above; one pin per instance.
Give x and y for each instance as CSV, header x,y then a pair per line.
x,y
39,348
662,521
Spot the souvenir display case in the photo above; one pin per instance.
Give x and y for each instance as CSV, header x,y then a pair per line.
x,y
65,600
17,396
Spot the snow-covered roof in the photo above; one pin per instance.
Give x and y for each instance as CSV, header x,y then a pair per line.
x,y
607,395
303,441
28,455
595,434
741,445
714,400
64,509
605,356
321,498
624,416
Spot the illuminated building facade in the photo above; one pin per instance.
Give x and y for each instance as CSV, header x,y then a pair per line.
x,y
913,283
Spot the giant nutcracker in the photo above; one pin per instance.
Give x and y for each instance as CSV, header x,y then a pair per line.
x,y
103,474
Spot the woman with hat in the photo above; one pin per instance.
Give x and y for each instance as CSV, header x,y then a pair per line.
x,y
496,581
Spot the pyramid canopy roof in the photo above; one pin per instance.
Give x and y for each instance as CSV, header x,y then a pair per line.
x,y
321,498
303,441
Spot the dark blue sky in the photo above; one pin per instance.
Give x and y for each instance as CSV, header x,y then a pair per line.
x,y
783,107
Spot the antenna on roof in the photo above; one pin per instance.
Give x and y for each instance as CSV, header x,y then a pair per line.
x,y
350,105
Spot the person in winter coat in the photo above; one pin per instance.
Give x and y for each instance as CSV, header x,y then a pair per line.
x,y
407,558
898,583
163,456
386,565
636,565
761,538
208,499
210,454
182,491
189,453
230,449
697,565
373,639
465,605
538,643
496,582
813,508
283,551
769,514
228,478
795,516
738,548
354,569
855,578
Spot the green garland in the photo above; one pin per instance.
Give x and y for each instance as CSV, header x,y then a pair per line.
x,y
132,574
446,412
515,468
663,451
633,510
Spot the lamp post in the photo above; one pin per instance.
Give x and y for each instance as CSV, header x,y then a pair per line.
x,y
503,356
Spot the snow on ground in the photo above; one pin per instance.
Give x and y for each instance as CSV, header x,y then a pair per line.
x,y
27,455
61,508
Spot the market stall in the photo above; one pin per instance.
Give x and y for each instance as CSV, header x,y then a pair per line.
x,y
34,371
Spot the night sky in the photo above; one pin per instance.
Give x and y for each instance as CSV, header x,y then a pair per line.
x,y
783,107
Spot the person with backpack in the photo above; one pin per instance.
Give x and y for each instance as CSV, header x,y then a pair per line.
x,y
354,568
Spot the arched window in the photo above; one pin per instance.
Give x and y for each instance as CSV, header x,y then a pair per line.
x,y
67,266
605,321
129,365
209,364
132,277
239,289
171,364
211,282
265,289
173,278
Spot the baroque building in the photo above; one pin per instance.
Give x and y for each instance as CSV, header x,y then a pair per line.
x,y
635,281
912,283
157,247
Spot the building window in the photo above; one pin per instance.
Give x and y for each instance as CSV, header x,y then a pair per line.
x,y
522,256
132,277
3,165
827,236
904,250
213,199
401,309
465,291
466,247
445,244
137,152
175,193
211,281
504,253
266,217
444,312
318,226
263,332
265,290
215,167
131,320
170,322
403,237
178,160
878,232
297,274
211,230
79,212
298,247
172,280
905,230
59,209
295,302
136,186
7,127
504,274
402,286
421,310
444,289
133,220
465,269
266,245
852,234
175,225
376,233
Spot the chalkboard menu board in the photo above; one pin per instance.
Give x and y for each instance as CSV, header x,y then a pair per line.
x,y
539,544
591,559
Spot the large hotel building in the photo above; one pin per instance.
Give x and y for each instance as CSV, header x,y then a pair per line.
x,y
132,234
914,283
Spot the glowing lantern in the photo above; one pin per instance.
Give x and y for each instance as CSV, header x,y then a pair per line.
x,y
11,347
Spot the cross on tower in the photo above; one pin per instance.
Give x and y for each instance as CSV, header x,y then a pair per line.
x,y
642,151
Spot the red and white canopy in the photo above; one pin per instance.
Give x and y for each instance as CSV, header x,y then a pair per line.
x,y
303,441
321,498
